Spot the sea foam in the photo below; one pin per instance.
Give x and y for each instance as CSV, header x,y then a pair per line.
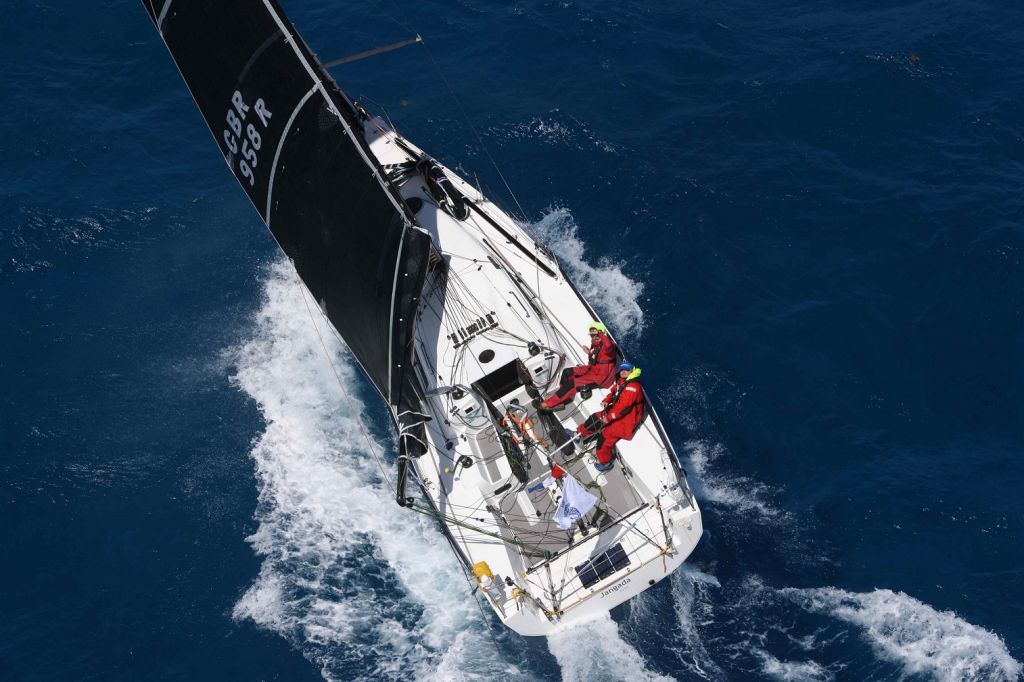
x,y
793,671
363,588
593,651
612,293
693,609
921,639
740,493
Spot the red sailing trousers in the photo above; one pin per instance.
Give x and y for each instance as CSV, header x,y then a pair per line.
x,y
622,416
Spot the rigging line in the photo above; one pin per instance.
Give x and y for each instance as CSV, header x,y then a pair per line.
x,y
461,310
437,514
453,304
473,129
521,283
490,631
536,258
456,279
458,522
450,319
451,91
512,531
295,42
500,294
344,391
458,102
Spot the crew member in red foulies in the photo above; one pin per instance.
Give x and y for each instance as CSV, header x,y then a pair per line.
x,y
624,411
598,372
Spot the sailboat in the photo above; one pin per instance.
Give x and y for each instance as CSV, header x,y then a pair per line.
x,y
459,318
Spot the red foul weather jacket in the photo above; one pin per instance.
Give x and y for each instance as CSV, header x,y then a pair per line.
x,y
624,408
600,369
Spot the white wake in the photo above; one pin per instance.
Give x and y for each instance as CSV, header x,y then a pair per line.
x,y
593,651
793,671
612,293
693,609
740,493
913,634
362,587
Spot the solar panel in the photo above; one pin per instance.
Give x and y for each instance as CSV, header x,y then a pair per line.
x,y
602,566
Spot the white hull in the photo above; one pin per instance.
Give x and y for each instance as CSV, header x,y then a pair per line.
x,y
498,302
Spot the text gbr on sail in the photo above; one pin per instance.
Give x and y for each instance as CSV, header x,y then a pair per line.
x,y
252,140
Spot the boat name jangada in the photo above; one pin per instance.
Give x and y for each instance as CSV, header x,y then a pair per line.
x,y
616,587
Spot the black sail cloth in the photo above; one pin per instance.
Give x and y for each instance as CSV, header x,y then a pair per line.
x,y
294,142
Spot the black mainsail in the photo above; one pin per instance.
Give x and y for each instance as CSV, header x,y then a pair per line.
x,y
295,143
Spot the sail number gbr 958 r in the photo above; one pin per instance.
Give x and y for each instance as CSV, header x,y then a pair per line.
x,y
242,136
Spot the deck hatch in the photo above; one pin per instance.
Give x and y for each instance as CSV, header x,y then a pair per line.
x,y
500,382
602,566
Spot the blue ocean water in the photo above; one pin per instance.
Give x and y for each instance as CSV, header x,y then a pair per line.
x,y
804,220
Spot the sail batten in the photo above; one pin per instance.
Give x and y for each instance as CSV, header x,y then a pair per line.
x,y
294,142
277,152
